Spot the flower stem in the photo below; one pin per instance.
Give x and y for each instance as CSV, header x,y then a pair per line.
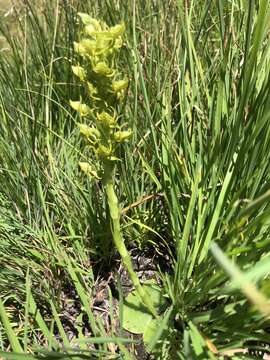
x,y
112,199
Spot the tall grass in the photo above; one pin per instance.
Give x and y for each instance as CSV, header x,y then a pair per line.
x,y
195,177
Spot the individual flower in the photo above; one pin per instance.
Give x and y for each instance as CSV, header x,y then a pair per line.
x,y
92,27
104,151
88,20
86,47
117,30
79,71
93,91
82,109
91,133
118,43
88,170
120,85
102,68
121,136
106,119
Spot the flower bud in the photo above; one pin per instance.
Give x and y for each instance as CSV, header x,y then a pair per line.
x,y
92,27
82,109
79,71
121,136
88,20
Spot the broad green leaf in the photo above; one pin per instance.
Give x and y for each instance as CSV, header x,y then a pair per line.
x,y
135,314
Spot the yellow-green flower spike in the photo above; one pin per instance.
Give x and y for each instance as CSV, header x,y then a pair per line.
x,y
99,48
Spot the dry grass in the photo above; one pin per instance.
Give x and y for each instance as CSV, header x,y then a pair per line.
x,y
5,5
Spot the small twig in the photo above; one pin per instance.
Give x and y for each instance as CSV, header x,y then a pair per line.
x,y
140,201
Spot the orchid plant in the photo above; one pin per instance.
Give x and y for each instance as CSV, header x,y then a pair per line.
x,y
98,50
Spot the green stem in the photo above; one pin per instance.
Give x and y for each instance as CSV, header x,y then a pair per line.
x,y
108,181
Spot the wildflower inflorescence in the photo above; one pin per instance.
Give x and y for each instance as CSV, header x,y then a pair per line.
x,y
106,88
98,49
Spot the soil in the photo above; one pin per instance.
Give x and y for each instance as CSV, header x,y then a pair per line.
x,y
105,297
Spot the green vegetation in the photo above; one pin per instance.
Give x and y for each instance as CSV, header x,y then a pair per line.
x,y
190,190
